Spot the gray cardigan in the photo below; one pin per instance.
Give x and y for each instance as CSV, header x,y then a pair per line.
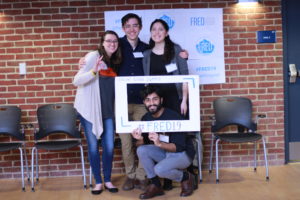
x,y
182,68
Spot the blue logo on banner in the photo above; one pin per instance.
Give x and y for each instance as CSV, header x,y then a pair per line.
x,y
168,20
205,47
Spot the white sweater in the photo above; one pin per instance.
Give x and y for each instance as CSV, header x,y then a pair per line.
x,y
87,100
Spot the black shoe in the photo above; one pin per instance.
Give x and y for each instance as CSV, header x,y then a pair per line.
x,y
96,192
112,190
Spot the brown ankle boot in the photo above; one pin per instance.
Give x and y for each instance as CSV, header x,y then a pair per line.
x,y
152,191
187,186
128,184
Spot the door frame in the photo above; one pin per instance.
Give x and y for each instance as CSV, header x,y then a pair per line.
x,y
285,79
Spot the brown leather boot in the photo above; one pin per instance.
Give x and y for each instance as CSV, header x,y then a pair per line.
x,y
128,184
152,191
187,186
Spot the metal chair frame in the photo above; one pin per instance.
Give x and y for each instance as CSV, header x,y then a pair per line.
x,y
16,130
38,141
251,127
199,157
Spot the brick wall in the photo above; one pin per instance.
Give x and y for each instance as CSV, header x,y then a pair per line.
x,y
51,36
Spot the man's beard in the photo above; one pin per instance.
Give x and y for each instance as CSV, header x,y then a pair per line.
x,y
154,111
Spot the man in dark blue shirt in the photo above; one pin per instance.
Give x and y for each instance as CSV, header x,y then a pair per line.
x,y
164,155
132,53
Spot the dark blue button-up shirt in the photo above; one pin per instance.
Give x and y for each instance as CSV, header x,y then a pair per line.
x,y
132,66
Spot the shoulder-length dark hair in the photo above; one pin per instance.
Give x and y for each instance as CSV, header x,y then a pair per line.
x,y
116,58
169,50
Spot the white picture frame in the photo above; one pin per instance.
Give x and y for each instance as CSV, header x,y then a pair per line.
x,y
124,125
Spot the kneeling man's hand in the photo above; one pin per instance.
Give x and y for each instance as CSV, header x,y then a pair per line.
x,y
154,137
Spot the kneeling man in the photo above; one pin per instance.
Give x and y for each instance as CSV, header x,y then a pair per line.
x,y
164,155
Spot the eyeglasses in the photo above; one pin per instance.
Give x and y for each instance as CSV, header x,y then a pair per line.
x,y
111,41
127,26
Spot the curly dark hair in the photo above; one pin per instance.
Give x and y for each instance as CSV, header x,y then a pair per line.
x,y
116,58
149,89
169,50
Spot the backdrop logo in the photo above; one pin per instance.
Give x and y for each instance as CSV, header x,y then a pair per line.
x,y
118,21
197,21
168,20
205,47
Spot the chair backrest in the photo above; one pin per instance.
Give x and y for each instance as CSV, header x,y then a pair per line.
x,y
233,111
10,119
57,118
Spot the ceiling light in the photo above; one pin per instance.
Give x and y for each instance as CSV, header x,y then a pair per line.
x,y
249,1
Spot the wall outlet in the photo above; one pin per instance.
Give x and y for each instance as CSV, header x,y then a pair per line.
x,y
22,68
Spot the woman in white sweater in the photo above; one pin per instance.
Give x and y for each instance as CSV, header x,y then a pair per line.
x,y
94,102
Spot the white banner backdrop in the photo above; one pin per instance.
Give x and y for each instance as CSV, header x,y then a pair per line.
x,y
199,31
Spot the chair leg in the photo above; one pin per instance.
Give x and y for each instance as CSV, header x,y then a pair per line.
x,y
26,162
91,175
22,169
36,166
83,168
32,168
199,142
217,161
266,159
255,157
211,153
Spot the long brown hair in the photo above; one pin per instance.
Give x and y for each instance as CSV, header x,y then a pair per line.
x,y
116,58
169,50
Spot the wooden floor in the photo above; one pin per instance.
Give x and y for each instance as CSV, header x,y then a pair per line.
x,y
235,184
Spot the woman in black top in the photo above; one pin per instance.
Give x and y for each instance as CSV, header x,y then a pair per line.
x,y
163,59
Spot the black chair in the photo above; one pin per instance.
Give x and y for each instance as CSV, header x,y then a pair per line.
x,y
236,111
56,119
13,136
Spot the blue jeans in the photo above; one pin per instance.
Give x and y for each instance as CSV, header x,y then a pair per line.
x,y
107,142
158,162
